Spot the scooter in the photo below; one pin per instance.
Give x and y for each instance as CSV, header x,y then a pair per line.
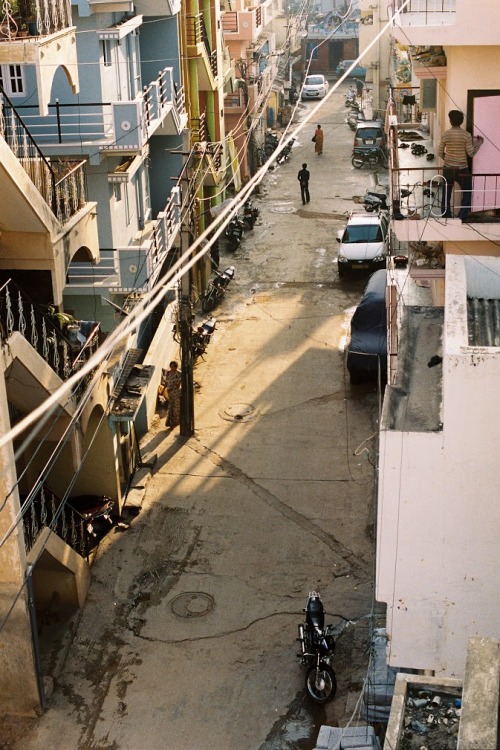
x,y
354,117
368,156
93,509
285,154
250,214
216,288
375,202
350,97
317,647
234,233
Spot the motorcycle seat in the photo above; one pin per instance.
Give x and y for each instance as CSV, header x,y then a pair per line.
x,y
315,614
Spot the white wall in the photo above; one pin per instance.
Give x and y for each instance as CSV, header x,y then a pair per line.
x,y
438,510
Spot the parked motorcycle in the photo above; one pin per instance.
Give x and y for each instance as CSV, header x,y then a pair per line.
x,y
368,156
355,117
270,143
250,214
216,288
317,646
94,509
234,233
201,336
285,154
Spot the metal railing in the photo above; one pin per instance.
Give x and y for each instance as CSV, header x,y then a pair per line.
x,y
43,333
88,122
196,33
44,509
420,192
230,22
61,182
429,11
33,18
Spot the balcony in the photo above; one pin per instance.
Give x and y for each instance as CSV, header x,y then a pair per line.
x,y
110,126
242,25
207,151
449,22
199,47
135,267
418,215
40,34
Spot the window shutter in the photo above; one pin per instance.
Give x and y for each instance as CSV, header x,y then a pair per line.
x,y
428,94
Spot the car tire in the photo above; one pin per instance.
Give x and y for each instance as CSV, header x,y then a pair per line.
x,y
342,271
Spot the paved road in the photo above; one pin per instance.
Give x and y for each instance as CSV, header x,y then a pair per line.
x,y
187,640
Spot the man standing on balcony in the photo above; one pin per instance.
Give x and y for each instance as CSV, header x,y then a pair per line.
x,y
455,148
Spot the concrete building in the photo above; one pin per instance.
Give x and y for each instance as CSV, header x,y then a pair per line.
x,y
98,171
250,32
438,522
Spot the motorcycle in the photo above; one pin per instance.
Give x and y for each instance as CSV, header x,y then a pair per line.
x,y
234,233
201,336
369,156
285,154
216,288
354,117
250,214
270,143
317,646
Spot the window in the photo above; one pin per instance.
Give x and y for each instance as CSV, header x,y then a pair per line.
x,y
106,52
428,94
12,80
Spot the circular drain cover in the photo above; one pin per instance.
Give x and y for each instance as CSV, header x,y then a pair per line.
x,y
284,208
192,604
238,412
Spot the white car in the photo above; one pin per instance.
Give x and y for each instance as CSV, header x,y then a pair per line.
x,y
315,87
364,243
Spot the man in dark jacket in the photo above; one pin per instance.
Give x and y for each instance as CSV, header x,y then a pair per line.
x,y
303,178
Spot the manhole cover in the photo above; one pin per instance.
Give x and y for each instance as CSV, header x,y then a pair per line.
x,y
192,604
238,412
284,208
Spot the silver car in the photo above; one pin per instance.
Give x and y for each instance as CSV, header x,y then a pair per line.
x,y
315,87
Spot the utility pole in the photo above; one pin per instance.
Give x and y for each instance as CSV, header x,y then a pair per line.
x,y
184,321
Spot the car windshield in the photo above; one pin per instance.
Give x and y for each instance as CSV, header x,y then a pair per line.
x,y
363,233
369,133
314,81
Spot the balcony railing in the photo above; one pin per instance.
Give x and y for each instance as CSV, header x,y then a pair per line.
x,y
94,122
23,18
419,192
42,508
430,12
60,182
63,354
230,22
196,33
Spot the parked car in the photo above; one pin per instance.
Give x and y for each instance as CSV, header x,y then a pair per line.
x,y
367,349
357,72
370,133
364,243
315,87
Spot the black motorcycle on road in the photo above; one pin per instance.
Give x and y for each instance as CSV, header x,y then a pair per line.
x,y
286,153
371,156
250,214
216,288
234,233
201,336
317,647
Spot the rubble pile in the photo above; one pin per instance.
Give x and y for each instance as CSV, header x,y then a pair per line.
x,y
431,720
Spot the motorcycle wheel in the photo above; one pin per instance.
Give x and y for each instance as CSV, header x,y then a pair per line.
x,y
321,683
209,301
357,162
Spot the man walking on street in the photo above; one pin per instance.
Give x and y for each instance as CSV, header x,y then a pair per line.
x,y
303,178
455,148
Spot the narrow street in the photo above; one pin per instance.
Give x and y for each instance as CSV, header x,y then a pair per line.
x,y
187,638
